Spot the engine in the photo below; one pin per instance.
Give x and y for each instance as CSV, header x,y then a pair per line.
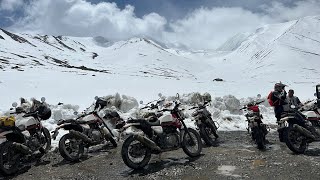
x,y
33,141
169,139
96,135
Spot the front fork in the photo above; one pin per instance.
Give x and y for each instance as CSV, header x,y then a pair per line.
x,y
189,134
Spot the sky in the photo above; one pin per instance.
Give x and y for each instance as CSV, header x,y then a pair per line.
x,y
192,24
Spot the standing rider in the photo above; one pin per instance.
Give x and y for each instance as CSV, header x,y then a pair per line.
x,y
278,97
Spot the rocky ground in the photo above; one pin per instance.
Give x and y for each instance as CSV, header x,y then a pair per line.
x,y
236,157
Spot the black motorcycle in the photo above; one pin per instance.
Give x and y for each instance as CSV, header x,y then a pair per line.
x,y
298,130
167,133
256,128
87,130
24,138
203,120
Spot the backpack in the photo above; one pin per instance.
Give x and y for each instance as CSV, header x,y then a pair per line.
x,y
270,99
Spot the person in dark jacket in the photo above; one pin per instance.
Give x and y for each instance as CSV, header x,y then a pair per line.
x,y
293,100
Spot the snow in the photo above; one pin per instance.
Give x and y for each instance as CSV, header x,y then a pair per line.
x,y
74,70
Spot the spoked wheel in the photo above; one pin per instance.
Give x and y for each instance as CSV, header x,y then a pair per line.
x,y
71,148
46,141
134,154
192,146
9,158
208,133
259,137
295,141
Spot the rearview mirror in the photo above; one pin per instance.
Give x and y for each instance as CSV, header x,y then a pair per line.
x,y
259,96
318,91
15,104
141,102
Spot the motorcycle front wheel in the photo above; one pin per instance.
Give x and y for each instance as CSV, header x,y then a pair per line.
x,y
71,148
208,132
134,154
47,140
9,158
295,141
259,137
191,144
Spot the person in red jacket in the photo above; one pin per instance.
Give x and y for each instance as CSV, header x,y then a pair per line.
x,y
278,97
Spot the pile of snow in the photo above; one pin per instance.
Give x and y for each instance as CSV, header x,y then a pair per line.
x,y
225,111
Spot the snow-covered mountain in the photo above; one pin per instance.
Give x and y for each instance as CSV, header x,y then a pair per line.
x,y
74,69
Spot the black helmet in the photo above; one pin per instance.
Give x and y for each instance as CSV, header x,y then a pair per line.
x,y
44,112
279,86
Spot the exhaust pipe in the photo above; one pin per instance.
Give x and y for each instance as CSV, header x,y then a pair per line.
x,y
147,142
304,131
80,135
22,148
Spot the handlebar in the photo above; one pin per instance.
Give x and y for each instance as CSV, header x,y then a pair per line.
x,y
252,104
153,106
200,106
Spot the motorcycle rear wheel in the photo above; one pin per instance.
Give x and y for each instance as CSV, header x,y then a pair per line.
x,y
208,133
132,149
71,148
295,141
259,137
192,147
9,158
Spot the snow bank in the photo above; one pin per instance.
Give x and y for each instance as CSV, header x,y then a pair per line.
x,y
225,110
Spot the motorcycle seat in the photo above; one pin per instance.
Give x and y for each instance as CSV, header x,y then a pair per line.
x,y
156,123
62,121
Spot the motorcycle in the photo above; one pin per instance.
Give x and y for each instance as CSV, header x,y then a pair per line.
x,y
203,120
88,129
23,136
301,127
167,133
256,128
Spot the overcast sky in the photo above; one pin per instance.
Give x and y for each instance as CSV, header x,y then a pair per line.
x,y
196,24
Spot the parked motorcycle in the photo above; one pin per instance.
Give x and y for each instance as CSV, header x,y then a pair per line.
x,y
167,133
301,127
256,128
88,129
203,120
23,136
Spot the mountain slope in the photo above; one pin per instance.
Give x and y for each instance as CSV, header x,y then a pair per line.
x,y
288,52
74,69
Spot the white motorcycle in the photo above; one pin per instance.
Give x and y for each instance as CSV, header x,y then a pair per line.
x,y
88,129
168,132
23,135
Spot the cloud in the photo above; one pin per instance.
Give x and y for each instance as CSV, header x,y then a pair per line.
x,y
281,13
203,28
10,5
212,27
81,18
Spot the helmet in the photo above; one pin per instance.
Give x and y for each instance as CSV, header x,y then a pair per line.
x,y
44,112
291,90
279,86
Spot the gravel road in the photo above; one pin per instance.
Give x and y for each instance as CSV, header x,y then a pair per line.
x,y
235,157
